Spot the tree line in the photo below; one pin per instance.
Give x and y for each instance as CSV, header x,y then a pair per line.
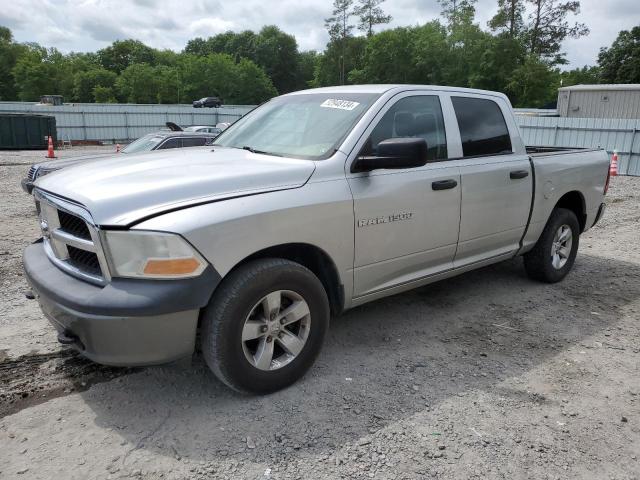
x,y
519,53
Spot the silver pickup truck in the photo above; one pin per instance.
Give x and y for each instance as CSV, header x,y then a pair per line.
x,y
316,202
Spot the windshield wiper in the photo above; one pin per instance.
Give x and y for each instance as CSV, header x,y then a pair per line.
x,y
253,150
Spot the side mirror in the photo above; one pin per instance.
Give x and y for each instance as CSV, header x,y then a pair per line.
x,y
394,153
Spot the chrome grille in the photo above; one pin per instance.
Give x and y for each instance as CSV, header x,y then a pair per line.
x,y
73,225
87,261
31,176
71,240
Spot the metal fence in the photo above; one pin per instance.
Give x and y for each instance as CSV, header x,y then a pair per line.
x,y
538,112
611,134
123,122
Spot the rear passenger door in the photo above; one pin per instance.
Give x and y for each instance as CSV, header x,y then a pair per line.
x,y
497,185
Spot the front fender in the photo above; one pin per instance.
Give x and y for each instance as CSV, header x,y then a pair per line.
x,y
229,231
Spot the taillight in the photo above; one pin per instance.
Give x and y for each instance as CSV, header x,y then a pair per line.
x,y
606,184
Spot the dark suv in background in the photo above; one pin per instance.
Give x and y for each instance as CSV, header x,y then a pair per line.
x,y
207,102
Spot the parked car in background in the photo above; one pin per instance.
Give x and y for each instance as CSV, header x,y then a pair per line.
x,y
203,128
315,202
153,141
223,125
207,102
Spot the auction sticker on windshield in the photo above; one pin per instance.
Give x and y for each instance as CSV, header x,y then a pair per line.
x,y
340,104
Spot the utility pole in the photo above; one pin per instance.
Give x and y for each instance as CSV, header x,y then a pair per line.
x,y
178,84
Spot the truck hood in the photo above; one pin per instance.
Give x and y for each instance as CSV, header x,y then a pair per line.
x,y
124,189
69,162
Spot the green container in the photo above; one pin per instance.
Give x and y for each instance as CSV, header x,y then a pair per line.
x,y
26,131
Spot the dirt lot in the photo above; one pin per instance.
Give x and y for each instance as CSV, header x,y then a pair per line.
x,y
488,375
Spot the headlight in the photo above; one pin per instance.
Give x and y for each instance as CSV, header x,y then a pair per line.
x,y
141,254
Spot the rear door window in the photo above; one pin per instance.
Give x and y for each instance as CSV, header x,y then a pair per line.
x,y
171,143
194,142
483,129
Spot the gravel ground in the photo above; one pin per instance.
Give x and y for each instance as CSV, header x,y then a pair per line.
x,y
487,375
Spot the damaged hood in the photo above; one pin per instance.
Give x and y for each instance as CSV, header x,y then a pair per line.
x,y
124,189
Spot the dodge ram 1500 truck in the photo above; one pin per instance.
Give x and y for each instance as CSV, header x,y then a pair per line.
x,y
316,202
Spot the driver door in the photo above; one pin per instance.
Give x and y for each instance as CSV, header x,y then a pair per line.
x,y
406,221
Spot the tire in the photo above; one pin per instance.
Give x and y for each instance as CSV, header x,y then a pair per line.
x,y
236,311
549,261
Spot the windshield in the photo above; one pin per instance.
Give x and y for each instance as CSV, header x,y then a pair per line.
x,y
143,144
309,126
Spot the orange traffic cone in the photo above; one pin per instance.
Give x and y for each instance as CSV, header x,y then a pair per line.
x,y
50,153
613,166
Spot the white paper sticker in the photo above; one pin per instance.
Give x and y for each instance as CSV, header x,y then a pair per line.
x,y
340,104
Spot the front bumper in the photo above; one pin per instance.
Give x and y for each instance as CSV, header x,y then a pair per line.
x,y
27,185
128,322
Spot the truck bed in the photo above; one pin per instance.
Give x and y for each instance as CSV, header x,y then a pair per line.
x,y
534,150
580,172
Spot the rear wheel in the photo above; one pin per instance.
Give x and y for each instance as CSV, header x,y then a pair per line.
x,y
265,325
555,252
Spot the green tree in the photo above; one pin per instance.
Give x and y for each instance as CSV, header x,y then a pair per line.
x,y
252,86
580,76
197,46
370,14
498,61
338,25
86,81
533,84
620,63
339,58
138,83
340,28
277,53
456,11
218,74
35,73
9,54
431,53
240,44
467,43
104,94
170,88
272,49
307,64
548,27
5,34
165,57
123,53
388,58
509,18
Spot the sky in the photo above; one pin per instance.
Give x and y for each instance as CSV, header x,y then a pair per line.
x,y
88,25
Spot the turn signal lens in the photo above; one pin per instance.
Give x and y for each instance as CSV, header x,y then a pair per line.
x,y
181,266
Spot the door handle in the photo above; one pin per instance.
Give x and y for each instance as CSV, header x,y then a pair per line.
x,y
518,174
444,184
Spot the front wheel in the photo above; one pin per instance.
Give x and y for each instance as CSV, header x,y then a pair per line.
x,y
265,325
555,252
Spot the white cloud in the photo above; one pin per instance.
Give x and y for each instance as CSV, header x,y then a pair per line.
x,y
205,27
87,25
